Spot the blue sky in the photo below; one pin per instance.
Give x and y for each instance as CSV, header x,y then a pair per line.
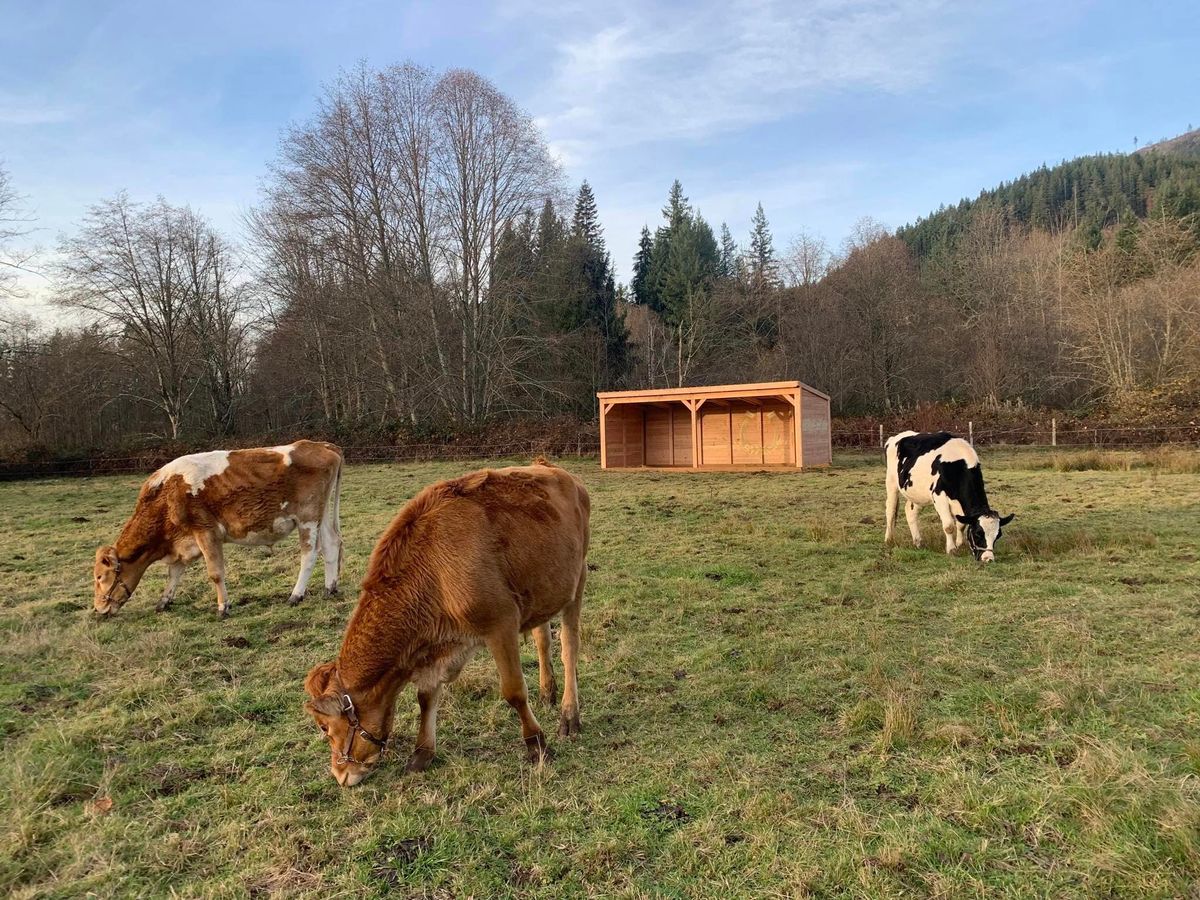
x,y
824,111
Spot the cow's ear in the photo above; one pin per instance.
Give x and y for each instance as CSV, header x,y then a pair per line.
x,y
966,520
1006,519
318,679
325,705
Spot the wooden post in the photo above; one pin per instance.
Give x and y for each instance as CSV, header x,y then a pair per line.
x,y
971,433
1054,432
671,431
603,438
798,421
694,406
880,435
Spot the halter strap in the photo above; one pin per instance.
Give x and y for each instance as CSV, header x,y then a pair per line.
x,y
351,715
117,583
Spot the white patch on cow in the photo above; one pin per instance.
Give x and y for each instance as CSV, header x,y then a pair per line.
x,y
285,451
991,531
194,469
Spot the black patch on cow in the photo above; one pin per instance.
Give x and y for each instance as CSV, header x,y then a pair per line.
x,y
910,449
961,482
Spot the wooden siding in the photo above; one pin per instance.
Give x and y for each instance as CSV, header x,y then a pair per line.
x,y
658,436
715,446
778,449
818,450
682,429
624,435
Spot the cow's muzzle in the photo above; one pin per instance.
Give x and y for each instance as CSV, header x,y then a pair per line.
x,y
987,556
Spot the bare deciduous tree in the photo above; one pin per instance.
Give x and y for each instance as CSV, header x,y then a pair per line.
x,y
14,225
159,279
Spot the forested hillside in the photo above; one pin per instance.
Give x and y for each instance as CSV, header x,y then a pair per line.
x,y
1090,194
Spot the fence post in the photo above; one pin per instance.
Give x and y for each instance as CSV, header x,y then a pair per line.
x,y
1054,432
971,433
881,436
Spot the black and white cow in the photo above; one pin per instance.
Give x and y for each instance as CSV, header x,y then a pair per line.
x,y
943,470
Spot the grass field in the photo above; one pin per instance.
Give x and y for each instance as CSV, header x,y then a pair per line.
x,y
772,705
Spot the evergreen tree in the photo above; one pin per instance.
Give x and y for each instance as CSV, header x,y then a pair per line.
x,y
550,234
639,287
761,257
586,222
677,208
730,266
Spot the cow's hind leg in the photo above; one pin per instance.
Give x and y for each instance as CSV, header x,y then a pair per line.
x,y
428,698
174,573
893,501
331,552
214,561
912,512
309,541
568,723
548,687
506,650
331,542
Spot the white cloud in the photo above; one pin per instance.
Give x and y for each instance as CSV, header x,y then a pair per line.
x,y
691,73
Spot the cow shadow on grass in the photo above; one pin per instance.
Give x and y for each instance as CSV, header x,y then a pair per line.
x,y
1035,538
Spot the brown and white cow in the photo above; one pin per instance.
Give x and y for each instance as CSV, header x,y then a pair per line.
x,y
194,504
469,562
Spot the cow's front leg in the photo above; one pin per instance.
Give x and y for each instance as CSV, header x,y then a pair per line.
x,y
214,561
428,698
950,524
912,512
174,573
308,559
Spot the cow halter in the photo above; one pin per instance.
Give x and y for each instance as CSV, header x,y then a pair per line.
x,y
351,714
109,599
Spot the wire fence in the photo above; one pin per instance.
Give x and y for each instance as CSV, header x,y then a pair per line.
x,y
145,463
1048,436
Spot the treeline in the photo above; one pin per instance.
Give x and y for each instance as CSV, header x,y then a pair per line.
x,y
417,268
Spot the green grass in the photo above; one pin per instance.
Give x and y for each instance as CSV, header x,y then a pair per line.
x,y
773,706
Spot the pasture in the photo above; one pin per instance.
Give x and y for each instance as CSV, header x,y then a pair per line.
x,y
772,705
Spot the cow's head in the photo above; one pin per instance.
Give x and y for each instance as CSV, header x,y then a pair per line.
x,y
357,743
111,589
983,531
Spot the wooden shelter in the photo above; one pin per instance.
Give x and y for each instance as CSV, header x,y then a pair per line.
x,y
778,424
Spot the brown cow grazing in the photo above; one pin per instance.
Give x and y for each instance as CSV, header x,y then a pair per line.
x,y
468,562
196,503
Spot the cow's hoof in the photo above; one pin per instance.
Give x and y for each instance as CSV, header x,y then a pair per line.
x,y
332,591
295,599
569,726
223,612
419,760
163,605
549,697
537,750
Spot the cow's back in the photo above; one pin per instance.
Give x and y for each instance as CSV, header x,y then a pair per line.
x,y
253,488
489,539
914,460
